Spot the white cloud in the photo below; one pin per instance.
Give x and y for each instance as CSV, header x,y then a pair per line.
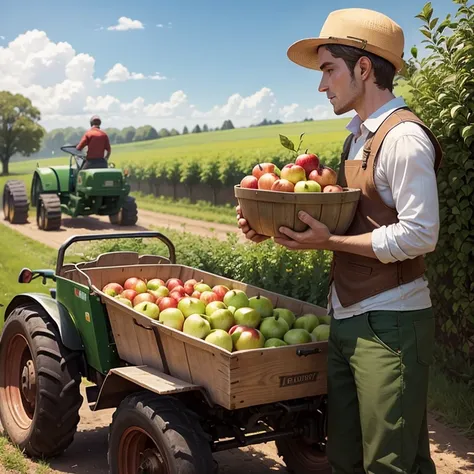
x,y
2,38
160,25
125,24
119,73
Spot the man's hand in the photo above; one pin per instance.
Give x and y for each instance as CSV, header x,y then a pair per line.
x,y
317,237
245,228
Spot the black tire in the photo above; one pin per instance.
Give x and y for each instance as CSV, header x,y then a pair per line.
x,y
39,412
166,433
48,212
128,215
15,202
301,458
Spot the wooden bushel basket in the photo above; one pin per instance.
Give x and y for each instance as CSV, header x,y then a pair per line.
x,y
231,379
267,211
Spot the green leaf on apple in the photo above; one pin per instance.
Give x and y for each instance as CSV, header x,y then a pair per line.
x,y
287,143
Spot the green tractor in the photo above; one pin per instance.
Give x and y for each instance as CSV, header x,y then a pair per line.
x,y
73,191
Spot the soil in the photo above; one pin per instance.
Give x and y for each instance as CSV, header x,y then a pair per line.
x,y
452,453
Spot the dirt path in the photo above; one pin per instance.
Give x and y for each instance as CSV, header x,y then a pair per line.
x,y
98,224
452,453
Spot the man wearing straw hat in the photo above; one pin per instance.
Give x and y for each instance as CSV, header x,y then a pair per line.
x,y
382,329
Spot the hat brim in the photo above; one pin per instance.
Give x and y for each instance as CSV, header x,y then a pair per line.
x,y
305,52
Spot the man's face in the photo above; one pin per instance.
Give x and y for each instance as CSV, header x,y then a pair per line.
x,y
341,89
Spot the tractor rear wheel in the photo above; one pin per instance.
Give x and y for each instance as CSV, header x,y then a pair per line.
x,y
128,215
39,383
48,212
15,202
153,434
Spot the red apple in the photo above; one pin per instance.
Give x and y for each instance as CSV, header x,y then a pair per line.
x,y
244,338
129,294
220,291
167,302
179,289
293,173
283,185
208,296
172,282
135,284
332,188
177,295
308,161
262,168
112,289
249,182
324,176
266,181
141,297
189,286
196,294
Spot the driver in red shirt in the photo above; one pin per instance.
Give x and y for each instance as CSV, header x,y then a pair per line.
x,y
97,143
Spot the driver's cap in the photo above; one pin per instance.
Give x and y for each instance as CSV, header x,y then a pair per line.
x,y
95,118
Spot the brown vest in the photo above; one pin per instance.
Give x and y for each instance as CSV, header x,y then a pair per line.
x,y
356,277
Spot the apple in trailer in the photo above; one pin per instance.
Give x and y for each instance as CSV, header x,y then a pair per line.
x,y
172,317
189,286
250,182
220,291
167,302
236,298
293,173
190,305
221,319
325,319
154,283
266,181
171,283
143,297
124,301
286,314
259,170
307,187
220,338
247,317
196,294
214,306
308,161
262,305
112,289
202,287
208,297
129,294
274,327
307,321
283,186
195,325
324,176
274,342
135,284
321,332
297,336
158,293
245,338
149,309
333,188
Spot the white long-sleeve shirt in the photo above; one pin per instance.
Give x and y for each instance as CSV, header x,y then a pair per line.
x,y
406,180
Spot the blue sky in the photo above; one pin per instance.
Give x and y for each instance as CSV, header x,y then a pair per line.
x,y
207,51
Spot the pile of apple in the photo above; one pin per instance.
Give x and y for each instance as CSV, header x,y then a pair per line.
x,y
219,315
306,175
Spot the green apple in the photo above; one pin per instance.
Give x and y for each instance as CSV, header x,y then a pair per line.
x,y
244,338
162,291
237,298
189,305
286,314
195,325
124,301
202,287
262,304
297,336
324,319
247,317
155,283
172,317
321,332
307,321
307,187
274,342
221,319
220,338
213,306
274,327
149,309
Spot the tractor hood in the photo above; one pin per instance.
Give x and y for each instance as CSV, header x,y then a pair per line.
x,y
99,180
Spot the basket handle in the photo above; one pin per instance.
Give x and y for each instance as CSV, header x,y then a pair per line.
x,y
307,352
120,235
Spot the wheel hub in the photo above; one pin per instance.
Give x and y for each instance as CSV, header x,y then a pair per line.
x,y
151,463
28,382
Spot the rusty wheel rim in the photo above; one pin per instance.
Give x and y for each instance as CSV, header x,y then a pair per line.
x,y
20,382
139,454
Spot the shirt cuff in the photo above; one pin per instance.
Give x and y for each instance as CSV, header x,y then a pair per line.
x,y
380,245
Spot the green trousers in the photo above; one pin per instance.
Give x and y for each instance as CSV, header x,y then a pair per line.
x,y
378,368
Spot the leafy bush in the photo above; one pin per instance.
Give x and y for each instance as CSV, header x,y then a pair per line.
x,y
443,96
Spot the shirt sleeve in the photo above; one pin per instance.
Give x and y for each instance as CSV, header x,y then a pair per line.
x,y
408,166
83,142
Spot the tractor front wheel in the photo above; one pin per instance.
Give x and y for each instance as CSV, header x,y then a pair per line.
x,y
15,202
39,384
150,434
128,215
48,212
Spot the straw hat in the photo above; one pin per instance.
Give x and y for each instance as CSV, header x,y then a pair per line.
x,y
364,29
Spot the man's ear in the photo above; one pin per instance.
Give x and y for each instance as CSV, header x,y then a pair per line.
x,y
365,67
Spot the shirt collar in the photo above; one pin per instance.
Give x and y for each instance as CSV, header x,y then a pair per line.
x,y
373,122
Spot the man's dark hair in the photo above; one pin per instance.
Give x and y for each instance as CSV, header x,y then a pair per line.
x,y
384,71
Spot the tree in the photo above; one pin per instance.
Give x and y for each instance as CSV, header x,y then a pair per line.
x,y
227,125
185,130
197,129
112,133
19,128
174,132
205,128
146,132
163,133
128,134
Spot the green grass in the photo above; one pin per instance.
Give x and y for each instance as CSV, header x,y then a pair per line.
x,y
183,207
11,458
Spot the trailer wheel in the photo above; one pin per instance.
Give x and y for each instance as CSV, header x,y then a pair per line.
x,y
15,202
301,457
39,384
153,434
128,215
48,212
